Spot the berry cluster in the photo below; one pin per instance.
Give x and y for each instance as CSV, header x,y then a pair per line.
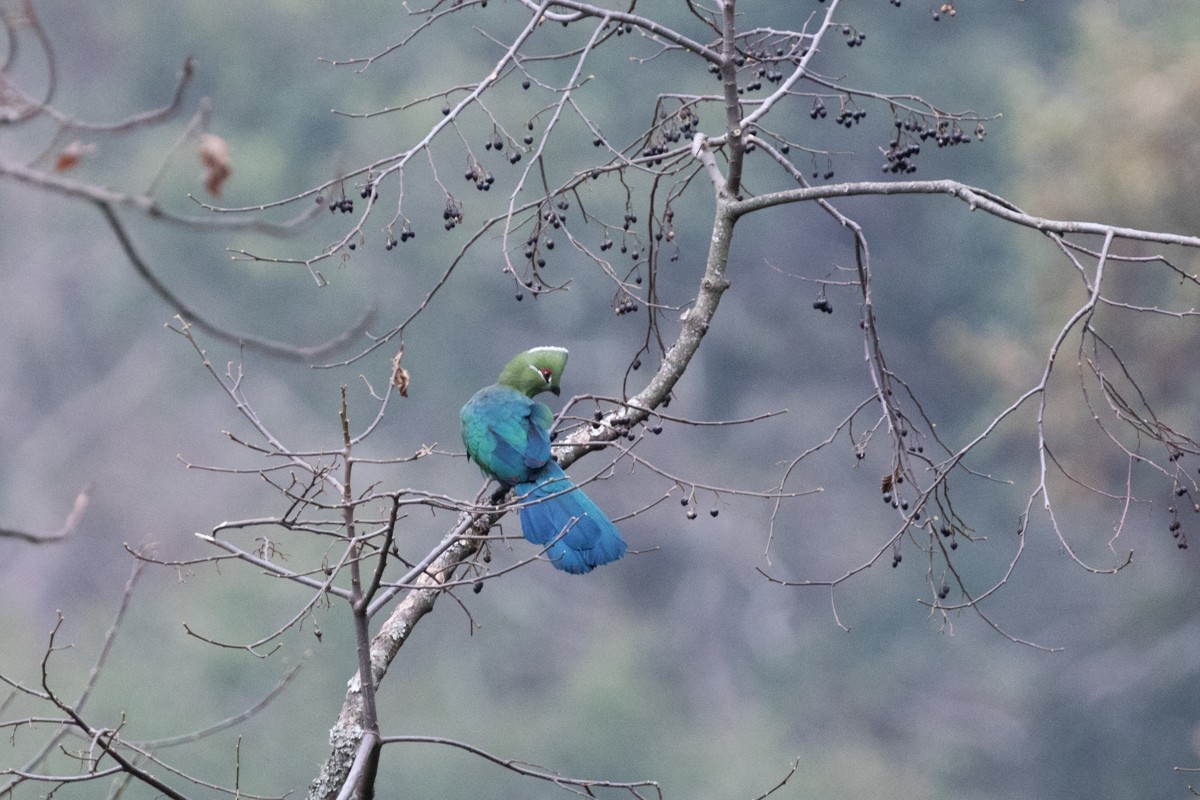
x,y
482,179
655,148
671,129
624,304
905,145
452,214
898,159
669,224
948,533
892,501
767,72
947,9
554,217
343,204
823,305
608,244
551,216
764,64
891,494
1176,528
406,233
948,134
854,38
848,116
1181,490
690,504
686,123
826,175
757,75
531,252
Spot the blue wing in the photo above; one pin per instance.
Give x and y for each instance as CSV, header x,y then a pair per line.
x,y
506,433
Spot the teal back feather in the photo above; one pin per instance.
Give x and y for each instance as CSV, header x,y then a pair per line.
x,y
506,433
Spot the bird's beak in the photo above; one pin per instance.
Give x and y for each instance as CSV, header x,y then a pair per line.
x,y
557,391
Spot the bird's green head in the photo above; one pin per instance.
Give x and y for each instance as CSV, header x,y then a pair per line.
x,y
535,371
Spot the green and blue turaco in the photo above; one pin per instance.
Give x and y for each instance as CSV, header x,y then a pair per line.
x,y
507,433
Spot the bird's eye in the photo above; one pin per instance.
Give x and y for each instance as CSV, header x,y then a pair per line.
x,y
546,374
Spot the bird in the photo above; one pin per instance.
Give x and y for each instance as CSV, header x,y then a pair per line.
x,y
507,433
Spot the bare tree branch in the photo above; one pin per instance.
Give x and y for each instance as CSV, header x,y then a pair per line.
x,y
68,527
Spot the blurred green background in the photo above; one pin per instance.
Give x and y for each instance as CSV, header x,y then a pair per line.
x,y
680,664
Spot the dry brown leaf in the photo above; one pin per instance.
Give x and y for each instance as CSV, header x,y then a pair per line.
x,y
400,377
214,155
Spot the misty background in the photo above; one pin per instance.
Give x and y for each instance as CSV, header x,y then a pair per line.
x,y
680,663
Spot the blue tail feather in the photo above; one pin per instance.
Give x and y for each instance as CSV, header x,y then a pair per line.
x,y
583,538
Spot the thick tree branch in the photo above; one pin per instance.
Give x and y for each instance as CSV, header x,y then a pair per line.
x,y
975,198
